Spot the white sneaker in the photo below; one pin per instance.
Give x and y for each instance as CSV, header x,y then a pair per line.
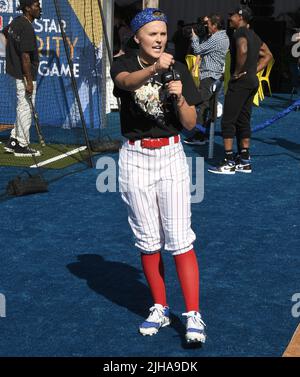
x,y
195,331
243,166
224,167
159,317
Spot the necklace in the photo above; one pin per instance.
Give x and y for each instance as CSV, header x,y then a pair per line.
x,y
27,18
141,64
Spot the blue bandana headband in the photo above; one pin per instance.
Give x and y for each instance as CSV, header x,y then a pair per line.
x,y
145,16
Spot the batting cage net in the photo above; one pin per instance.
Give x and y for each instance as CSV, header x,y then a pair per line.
x,y
74,107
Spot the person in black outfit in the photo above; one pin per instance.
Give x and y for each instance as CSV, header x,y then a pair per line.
x,y
158,98
22,61
249,55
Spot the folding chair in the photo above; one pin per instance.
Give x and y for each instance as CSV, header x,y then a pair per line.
x,y
191,61
227,71
260,87
259,96
256,99
266,77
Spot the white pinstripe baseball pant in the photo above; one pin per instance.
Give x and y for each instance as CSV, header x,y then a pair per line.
x,y
155,185
21,130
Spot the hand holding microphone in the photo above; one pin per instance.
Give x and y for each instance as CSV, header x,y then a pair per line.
x,y
174,88
170,79
164,62
172,82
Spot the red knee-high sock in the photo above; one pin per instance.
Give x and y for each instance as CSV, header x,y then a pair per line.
x,y
188,274
154,272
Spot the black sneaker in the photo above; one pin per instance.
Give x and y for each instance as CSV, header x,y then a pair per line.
x,y
243,166
11,145
225,167
25,152
35,152
197,139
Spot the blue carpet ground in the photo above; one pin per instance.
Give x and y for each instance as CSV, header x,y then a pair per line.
x,y
73,281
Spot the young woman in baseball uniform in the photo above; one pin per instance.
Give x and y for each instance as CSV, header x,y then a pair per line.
x,y
154,177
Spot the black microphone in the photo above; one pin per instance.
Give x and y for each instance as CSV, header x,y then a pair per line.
x,y
170,75
171,69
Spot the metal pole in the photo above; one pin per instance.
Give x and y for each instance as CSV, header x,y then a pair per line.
x,y
106,62
109,11
105,33
74,84
215,89
212,131
107,43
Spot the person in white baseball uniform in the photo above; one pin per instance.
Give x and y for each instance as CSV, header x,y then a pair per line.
x,y
22,61
158,99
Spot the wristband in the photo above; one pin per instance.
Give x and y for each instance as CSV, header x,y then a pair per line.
x,y
153,69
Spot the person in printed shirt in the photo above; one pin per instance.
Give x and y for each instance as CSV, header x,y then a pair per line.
x,y
158,98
